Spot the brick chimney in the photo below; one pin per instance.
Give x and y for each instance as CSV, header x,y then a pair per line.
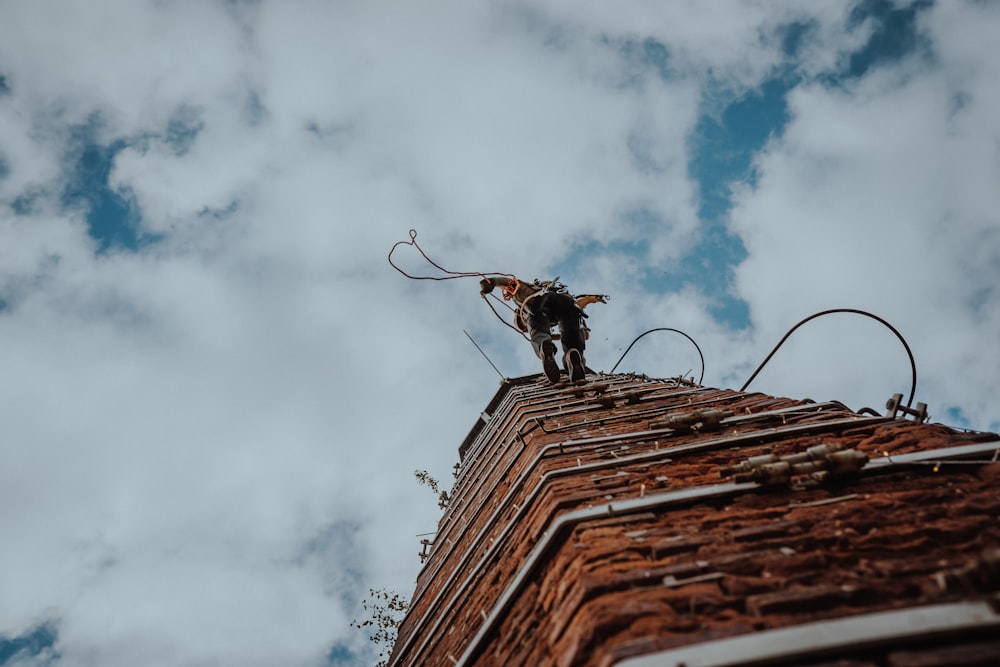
x,y
638,522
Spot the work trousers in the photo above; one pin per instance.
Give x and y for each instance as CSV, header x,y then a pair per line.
x,y
558,309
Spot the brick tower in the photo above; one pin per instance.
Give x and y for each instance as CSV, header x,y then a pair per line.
x,y
639,522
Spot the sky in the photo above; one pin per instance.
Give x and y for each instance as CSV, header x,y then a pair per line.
x,y
214,388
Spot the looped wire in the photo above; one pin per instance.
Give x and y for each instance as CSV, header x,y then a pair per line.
x,y
451,275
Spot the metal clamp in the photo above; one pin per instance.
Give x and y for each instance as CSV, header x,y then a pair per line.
x,y
770,470
425,547
706,419
895,405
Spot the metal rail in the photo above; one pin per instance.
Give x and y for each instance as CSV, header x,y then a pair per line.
x,y
563,524
515,488
808,407
499,421
820,639
475,450
435,565
501,414
591,406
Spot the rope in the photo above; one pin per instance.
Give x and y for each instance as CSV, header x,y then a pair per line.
x,y
505,322
451,275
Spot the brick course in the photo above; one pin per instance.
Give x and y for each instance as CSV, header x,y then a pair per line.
x,y
507,584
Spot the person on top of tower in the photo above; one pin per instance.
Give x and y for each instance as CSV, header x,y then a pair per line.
x,y
540,305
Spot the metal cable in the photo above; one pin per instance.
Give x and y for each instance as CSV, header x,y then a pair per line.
x,y
449,275
700,355
913,364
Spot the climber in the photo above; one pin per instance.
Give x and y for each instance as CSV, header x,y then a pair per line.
x,y
540,305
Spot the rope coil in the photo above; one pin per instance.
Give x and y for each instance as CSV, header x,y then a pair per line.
x,y
508,292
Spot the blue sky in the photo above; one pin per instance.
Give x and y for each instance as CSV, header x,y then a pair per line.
x,y
217,390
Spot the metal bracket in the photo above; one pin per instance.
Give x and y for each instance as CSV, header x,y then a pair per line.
x,y
808,642
895,405
702,420
425,547
770,470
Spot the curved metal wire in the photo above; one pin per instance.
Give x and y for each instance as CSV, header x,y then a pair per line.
x,y
700,355
449,275
913,364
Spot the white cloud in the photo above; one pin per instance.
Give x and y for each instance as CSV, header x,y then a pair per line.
x,y
878,197
132,62
209,444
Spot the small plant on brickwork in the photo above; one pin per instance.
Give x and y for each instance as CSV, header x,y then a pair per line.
x,y
425,478
384,612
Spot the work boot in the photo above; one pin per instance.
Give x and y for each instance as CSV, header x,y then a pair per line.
x,y
575,365
549,364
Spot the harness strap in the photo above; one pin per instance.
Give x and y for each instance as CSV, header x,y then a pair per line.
x,y
511,288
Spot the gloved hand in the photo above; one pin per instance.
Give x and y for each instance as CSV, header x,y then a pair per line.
x,y
585,300
485,286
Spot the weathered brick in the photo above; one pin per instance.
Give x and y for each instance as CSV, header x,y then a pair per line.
x,y
625,583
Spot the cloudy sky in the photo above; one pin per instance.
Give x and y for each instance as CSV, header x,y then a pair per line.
x,y
215,389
